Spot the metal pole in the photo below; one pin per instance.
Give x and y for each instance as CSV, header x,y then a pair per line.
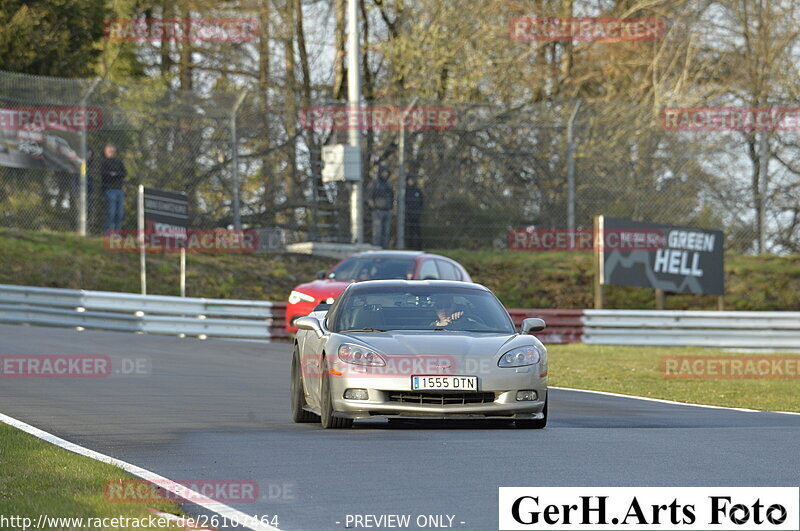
x,y
183,271
354,99
401,180
401,191
82,195
142,255
599,238
237,215
763,162
571,168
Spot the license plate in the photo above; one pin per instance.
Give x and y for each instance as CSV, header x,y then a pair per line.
x,y
451,383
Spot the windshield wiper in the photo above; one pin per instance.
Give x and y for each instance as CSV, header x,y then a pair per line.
x,y
363,330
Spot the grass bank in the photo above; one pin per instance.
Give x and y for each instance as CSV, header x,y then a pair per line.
x,y
40,479
520,279
638,371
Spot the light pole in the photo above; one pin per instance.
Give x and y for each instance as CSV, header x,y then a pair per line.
x,y
354,100
237,215
401,179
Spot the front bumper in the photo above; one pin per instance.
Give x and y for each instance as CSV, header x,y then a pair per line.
x,y
503,385
522,410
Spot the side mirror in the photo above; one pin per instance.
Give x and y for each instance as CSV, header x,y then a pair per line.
x,y
322,274
309,323
324,307
532,324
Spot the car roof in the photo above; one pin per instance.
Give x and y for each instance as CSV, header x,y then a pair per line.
x,y
395,283
397,254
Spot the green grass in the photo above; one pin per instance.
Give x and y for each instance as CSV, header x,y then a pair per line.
x,y
39,478
520,279
64,260
637,371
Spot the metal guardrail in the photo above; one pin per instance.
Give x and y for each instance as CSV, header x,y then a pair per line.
x,y
152,314
772,330
264,320
563,326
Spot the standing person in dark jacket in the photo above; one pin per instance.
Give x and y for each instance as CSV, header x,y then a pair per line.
x,y
112,175
381,199
414,203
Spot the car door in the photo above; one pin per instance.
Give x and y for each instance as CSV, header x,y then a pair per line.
x,y
313,348
307,363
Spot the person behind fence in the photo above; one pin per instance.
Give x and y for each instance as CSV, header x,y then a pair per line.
x,y
112,175
414,202
381,199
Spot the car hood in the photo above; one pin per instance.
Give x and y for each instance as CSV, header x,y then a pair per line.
x,y
439,342
322,289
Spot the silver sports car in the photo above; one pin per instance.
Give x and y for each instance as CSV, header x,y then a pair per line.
x,y
417,348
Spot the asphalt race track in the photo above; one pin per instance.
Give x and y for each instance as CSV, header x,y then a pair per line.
x,y
219,410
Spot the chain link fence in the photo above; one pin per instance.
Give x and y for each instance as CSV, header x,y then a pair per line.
x,y
490,169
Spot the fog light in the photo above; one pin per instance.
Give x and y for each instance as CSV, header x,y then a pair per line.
x,y
356,394
526,396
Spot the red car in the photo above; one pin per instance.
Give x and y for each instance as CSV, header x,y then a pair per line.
x,y
370,265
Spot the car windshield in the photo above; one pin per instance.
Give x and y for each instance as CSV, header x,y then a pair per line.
x,y
374,268
422,308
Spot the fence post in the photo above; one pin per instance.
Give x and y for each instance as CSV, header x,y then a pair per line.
x,y
82,195
571,168
599,239
237,214
763,162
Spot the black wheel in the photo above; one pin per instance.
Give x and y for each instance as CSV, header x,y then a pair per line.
x,y
533,424
327,418
298,396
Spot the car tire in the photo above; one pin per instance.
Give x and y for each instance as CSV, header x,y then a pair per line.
x,y
299,414
533,424
328,418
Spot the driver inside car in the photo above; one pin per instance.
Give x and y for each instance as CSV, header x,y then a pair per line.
x,y
449,314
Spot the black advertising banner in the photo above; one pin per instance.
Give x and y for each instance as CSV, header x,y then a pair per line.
x,y
166,213
679,259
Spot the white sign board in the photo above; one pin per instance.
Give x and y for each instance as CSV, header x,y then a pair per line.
x,y
341,163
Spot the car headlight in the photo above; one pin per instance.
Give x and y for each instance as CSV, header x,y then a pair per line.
x,y
358,355
296,296
519,357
